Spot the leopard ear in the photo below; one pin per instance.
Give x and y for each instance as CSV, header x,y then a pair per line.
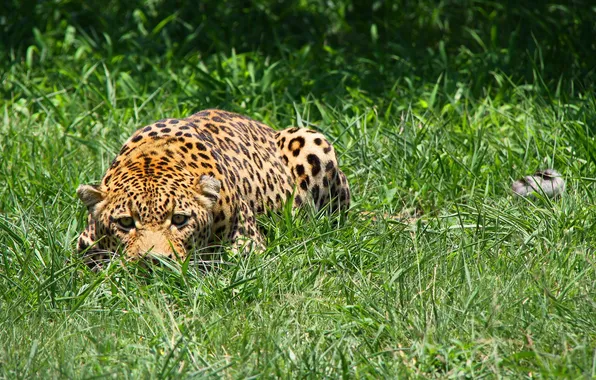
x,y
90,195
209,188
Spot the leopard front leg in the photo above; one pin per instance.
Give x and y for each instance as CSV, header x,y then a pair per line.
x,y
244,233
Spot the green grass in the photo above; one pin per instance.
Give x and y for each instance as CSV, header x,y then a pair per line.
x,y
434,108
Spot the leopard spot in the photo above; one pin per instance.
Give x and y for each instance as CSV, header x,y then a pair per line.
x,y
296,143
315,163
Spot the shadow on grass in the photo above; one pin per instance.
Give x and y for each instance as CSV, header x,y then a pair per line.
x,y
465,40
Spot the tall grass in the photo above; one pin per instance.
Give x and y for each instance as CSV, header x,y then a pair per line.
x,y
434,108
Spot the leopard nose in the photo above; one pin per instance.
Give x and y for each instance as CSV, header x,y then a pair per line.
x,y
154,244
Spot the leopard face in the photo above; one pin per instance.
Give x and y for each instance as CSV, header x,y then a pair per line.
x,y
146,218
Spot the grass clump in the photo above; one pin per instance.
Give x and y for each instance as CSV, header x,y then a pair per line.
x,y
434,109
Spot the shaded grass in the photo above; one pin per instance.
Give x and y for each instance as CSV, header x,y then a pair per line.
x,y
481,285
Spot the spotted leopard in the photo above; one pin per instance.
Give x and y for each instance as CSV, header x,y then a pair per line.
x,y
187,185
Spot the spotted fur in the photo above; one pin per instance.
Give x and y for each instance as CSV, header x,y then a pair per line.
x,y
180,185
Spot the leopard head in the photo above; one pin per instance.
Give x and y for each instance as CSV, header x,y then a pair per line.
x,y
154,215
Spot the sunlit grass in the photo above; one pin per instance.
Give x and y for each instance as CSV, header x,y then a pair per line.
x,y
479,283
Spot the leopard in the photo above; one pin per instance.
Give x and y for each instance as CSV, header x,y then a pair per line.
x,y
197,184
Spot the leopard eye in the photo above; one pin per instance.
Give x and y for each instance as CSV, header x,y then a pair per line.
x,y
179,220
126,222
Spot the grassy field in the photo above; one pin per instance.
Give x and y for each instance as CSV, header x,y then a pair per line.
x,y
434,108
